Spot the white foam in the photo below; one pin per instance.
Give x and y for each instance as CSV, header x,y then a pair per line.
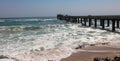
x,y
26,19
50,54
58,43
6,60
49,19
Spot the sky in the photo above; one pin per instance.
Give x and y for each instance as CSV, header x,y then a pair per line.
x,y
33,8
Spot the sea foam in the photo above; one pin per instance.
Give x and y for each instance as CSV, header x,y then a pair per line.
x,y
59,42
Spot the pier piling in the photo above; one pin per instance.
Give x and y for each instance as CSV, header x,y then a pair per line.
x,y
84,20
95,23
103,25
89,22
117,23
108,23
113,25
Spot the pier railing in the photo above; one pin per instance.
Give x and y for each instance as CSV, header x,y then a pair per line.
x,y
115,19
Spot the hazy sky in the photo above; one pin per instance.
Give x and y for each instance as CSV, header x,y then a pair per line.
x,y
26,8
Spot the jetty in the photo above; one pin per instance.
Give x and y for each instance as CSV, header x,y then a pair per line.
x,y
90,20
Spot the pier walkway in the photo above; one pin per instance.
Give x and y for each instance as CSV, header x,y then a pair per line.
x,y
90,20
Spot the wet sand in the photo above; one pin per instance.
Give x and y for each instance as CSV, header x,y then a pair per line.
x,y
88,53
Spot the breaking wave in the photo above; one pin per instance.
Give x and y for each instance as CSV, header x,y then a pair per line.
x,y
25,28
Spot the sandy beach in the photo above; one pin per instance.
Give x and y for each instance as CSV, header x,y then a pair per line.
x,y
91,52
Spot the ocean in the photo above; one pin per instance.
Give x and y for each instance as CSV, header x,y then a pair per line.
x,y
46,38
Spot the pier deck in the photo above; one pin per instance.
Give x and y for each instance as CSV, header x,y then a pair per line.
x,y
93,20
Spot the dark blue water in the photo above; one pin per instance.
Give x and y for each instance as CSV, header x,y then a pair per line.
x,y
30,22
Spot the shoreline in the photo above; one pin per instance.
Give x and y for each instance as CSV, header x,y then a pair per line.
x,y
95,50
81,53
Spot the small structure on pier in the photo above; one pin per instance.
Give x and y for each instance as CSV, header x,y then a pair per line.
x,y
114,19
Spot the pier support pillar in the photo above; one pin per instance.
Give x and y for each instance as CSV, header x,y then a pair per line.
x,y
89,22
117,23
78,20
85,22
81,21
70,20
95,23
113,25
103,24
74,20
108,23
